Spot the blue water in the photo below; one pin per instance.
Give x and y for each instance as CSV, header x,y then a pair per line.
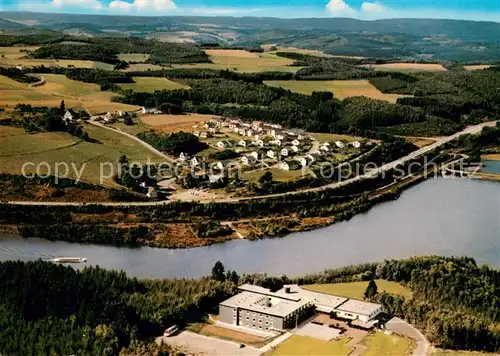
x,y
443,217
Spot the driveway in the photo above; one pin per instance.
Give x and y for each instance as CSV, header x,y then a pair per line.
x,y
201,345
401,327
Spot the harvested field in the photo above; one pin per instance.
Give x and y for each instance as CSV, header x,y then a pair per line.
x,y
244,61
420,141
491,157
174,123
407,67
19,147
133,57
147,84
477,67
340,88
15,52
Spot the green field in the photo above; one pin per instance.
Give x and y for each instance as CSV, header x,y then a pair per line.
x,y
380,344
278,175
150,84
356,290
133,57
341,89
18,147
303,345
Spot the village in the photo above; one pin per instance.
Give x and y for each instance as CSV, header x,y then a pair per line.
x,y
260,146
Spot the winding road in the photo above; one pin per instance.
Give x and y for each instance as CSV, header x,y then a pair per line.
x,y
387,167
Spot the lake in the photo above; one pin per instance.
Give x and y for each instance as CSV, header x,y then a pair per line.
x,y
440,216
492,167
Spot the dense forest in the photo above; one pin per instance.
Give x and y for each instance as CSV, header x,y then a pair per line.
x,y
94,312
80,52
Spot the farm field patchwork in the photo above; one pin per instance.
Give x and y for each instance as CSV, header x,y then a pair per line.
x,y
174,123
340,88
407,67
355,290
19,147
15,52
150,84
244,61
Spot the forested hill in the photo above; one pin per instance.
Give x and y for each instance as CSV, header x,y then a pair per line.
x,y
440,39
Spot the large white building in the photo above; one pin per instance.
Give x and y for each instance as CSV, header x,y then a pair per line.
x,y
259,308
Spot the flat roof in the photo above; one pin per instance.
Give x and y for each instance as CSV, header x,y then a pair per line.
x,y
264,291
359,307
324,302
263,304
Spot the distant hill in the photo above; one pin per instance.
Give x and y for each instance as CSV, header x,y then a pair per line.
x,y
420,39
9,25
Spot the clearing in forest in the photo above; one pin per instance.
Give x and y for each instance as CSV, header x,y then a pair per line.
x,y
150,84
340,88
477,67
133,57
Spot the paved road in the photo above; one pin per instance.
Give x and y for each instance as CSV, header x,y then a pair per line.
x,y
387,167
401,327
196,344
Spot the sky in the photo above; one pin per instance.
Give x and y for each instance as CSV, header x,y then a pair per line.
x,y
481,10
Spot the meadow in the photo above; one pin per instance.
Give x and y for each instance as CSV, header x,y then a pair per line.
x,y
58,87
150,84
133,57
244,61
18,147
340,88
310,52
356,290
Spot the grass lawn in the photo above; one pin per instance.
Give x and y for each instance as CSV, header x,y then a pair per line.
x,y
146,84
355,290
304,345
244,61
18,147
380,344
340,88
